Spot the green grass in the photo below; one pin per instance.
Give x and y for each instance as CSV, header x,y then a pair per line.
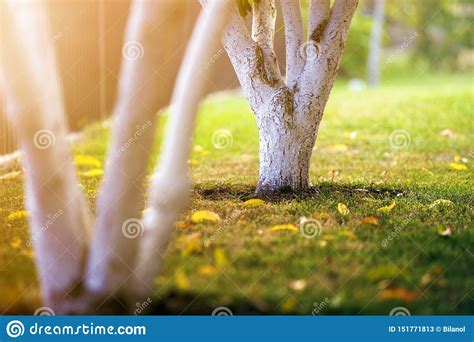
x,y
350,268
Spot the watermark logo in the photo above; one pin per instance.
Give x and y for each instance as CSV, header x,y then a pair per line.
x,y
222,311
318,307
310,50
142,307
222,138
310,228
133,50
399,311
15,329
399,139
44,139
44,311
133,228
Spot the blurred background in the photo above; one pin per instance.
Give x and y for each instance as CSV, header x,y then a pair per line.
x,y
389,39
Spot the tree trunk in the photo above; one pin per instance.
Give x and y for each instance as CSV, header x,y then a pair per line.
x,y
375,45
288,112
285,148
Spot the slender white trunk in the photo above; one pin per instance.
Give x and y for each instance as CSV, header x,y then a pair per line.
x,y
58,215
142,94
375,44
169,193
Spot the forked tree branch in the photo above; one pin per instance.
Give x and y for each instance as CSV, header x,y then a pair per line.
x,y
294,39
249,63
320,71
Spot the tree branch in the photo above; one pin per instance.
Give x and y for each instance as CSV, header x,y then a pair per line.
x,y
263,23
249,63
320,72
294,38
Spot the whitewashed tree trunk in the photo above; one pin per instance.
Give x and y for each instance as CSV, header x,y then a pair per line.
x,y
288,113
77,276
375,43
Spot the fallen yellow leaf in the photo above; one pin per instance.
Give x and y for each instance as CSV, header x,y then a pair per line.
x,y
284,227
16,215
323,215
89,161
207,270
190,244
338,148
16,243
439,202
457,166
387,208
182,281
342,209
370,220
193,162
220,259
205,216
348,234
398,293
28,253
253,203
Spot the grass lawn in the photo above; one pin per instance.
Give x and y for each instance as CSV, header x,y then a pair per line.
x,y
366,261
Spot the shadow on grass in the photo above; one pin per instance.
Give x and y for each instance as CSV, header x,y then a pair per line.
x,y
325,189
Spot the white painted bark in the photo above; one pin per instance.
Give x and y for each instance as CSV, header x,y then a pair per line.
x,y
58,215
145,87
169,193
113,273
288,115
294,39
375,43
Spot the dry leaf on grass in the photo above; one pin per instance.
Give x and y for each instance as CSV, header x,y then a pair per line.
x,y
280,227
17,215
87,161
370,220
207,270
457,167
399,294
342,209
387,208
190,243
253,203
205,216
220,259
16,243
182,281
440,202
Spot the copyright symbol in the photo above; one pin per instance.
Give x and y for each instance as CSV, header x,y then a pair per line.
x,y
438,329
